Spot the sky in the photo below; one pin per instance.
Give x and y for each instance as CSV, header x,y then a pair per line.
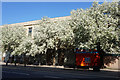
x,y
16,12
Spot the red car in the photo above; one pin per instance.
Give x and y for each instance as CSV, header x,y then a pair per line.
x,y
90,59
83,59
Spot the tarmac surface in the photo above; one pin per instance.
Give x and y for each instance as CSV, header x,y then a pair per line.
x,y
32,72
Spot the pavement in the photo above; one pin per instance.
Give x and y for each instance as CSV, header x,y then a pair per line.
x,y
62,67
46,72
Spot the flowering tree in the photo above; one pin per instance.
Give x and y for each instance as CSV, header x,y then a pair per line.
x,y
0,37
12,36
24,49
52,34
97,27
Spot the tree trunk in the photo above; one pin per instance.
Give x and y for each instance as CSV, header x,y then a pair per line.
x,y
54,60
24,60
61,57
55,57
6,63
53,52
15,60
15,63
101,53
39,59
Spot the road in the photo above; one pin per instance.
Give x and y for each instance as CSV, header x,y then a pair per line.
x,y
20,72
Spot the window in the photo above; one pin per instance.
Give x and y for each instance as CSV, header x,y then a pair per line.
x,y
30,31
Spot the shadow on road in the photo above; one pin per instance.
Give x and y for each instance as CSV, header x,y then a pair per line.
x,y
37,70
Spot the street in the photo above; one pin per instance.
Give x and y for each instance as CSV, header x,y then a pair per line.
x,y
20,72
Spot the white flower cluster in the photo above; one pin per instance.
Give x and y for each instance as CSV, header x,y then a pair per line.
x,y
12,36
85,28
97,24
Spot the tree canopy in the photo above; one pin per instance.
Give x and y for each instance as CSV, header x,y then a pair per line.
x,y
12,36
97,26
91,28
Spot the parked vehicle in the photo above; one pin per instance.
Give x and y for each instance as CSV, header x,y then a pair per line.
x,y
84,59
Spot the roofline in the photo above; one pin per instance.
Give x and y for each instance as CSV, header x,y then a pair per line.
x,y
28,23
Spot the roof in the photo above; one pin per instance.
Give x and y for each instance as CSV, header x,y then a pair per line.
x,y
37,21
